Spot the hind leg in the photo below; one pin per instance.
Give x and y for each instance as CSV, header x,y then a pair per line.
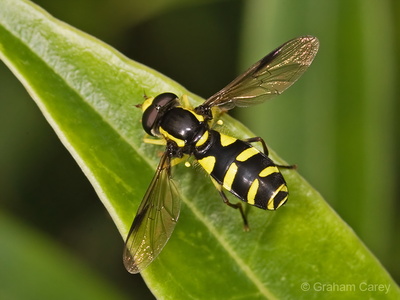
x,y
237,205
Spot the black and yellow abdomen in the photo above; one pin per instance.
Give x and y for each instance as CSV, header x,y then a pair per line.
x,y
234,165
243,170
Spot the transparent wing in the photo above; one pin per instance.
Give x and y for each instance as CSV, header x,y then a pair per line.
x,y
268,77
155,220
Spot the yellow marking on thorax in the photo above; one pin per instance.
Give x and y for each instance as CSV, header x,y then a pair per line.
x,y
268,171
180,143
226,140
200,118
203,139
207,163
230,176
246,154
270,204
251,194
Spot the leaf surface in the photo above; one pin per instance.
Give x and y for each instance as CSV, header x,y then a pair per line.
x,y
87,92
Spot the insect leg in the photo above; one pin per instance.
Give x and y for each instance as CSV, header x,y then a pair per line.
x,y
290,167
259,139
185,101
237,205
148,140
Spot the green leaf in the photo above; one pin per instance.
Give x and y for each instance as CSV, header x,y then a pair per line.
x,y
35,268
87,92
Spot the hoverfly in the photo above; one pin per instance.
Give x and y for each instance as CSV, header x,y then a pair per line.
x,y
233,164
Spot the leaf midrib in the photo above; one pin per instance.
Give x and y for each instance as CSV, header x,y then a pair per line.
x,y
64,139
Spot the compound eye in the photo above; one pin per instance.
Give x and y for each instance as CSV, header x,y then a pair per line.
x,y
164,99
155,111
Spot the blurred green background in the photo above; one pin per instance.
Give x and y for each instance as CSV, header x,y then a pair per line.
x,y
338,123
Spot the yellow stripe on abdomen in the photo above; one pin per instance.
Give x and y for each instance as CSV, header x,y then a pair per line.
x,y
230,176
207,163
246,154
251,194
271,201
202,140
268,171
226,140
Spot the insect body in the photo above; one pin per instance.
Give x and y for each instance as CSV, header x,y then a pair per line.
x,y
233,164
244,171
